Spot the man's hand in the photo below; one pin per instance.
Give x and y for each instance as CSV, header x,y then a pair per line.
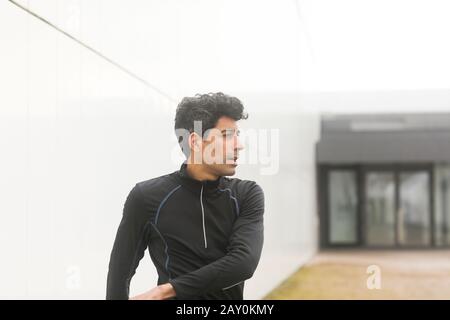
x,y
160,292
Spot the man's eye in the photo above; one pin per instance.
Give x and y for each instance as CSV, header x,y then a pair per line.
x,y
230,133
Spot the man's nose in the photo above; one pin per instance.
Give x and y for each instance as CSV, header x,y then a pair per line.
x,y
238,144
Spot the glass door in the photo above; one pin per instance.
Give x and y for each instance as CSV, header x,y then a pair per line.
x,y
397,207
342,207
414,223
380,208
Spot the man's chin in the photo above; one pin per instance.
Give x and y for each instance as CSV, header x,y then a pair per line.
x,y
229,170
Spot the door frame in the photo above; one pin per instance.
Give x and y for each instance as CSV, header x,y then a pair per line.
x,y
396,169
360,174
323,204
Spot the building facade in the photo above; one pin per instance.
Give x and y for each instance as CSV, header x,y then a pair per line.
x,y
383,180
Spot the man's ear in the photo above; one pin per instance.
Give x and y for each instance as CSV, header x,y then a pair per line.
x,y
195,141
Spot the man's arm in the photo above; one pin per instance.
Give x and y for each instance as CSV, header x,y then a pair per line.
x,y
129,246
241,260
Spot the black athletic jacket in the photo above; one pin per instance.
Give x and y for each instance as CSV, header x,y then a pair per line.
x,y
204,237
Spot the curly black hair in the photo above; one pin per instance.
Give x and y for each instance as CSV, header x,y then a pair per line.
x,y
207,108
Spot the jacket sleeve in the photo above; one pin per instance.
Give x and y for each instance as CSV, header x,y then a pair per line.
x,y
243,252
129,246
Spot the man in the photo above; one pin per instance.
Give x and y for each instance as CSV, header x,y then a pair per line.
x,y
204,231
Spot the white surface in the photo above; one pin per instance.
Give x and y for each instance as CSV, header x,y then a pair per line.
x,y
77,134
271,45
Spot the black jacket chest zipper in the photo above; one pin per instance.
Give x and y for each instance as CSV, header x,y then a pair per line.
x,y
203,217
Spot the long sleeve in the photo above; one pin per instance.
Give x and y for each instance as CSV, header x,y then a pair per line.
x,y
129,246
243,252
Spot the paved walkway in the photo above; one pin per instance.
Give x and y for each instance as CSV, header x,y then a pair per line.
x,y
343,275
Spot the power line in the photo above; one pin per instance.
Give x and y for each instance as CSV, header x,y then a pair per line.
x,y
305,28
101,55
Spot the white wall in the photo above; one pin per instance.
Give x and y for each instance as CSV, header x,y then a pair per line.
x,y
76,133
291,223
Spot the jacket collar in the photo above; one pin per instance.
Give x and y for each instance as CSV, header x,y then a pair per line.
x,y
187,180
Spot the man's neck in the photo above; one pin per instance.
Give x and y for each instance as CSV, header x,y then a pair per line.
x,y
198,172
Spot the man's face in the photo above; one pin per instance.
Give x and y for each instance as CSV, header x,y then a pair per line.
x,y
221,146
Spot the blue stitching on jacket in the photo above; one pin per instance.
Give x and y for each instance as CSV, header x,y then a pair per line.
x,y
164,200
166,250
235,200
